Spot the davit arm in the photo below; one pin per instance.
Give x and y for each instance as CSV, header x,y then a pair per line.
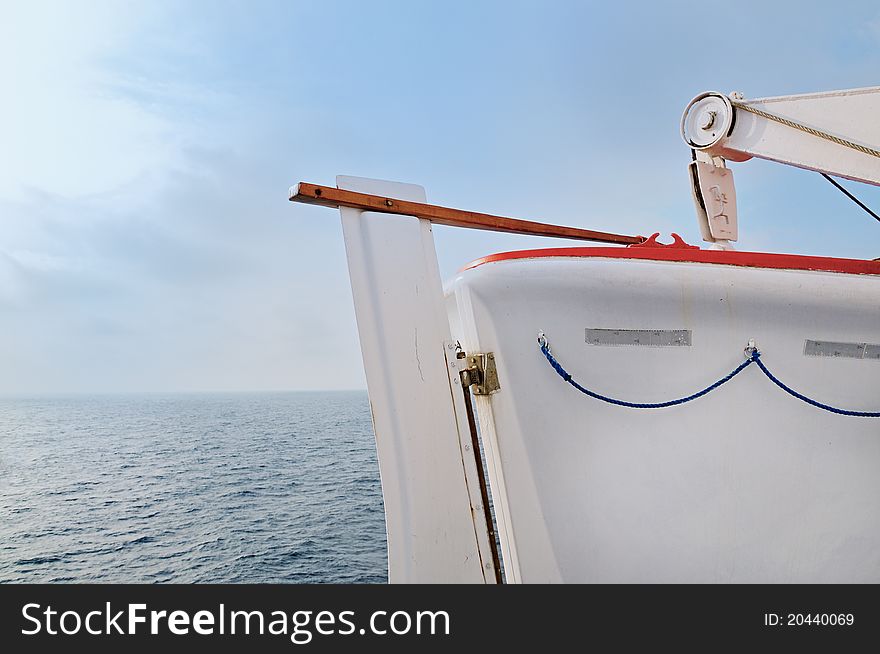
x,y
837,133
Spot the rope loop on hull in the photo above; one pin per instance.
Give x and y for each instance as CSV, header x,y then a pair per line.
x,y
753,356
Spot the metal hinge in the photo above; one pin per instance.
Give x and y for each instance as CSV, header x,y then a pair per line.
x,y
481,373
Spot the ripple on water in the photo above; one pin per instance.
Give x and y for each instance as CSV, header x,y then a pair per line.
x,y
262,488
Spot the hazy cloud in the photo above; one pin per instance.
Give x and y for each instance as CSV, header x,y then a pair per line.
x,y
145,238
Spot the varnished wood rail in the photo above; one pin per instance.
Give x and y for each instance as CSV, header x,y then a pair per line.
x,y
327,196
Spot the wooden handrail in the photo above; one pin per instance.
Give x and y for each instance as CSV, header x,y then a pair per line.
x,y
327,196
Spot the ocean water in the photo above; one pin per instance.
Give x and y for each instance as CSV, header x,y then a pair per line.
x,y
270,487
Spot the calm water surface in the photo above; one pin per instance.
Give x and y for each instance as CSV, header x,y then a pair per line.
x,y
275,487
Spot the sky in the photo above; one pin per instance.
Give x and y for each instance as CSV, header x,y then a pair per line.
x,y
146,150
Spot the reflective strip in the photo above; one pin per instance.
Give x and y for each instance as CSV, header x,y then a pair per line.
x,y
842,350
644,337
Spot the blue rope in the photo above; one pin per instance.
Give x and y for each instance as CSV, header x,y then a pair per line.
x,y
754,357
545,348
804,398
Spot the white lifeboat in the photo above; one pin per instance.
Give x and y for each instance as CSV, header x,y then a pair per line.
x,y
649,413
746,483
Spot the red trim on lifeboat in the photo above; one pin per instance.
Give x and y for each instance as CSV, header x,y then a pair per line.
x,y
723,257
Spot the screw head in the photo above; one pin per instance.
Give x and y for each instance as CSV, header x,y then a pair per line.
x,y
707,119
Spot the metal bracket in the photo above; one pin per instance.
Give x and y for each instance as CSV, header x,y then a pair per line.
x,y
715,200
481,373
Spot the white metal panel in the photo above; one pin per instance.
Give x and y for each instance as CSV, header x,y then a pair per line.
x,y
434,532
746,484
851,114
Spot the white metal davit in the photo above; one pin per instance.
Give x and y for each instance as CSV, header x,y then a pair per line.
x,y
834,133
686,415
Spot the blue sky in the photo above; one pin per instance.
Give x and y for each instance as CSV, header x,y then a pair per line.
x,y
146,242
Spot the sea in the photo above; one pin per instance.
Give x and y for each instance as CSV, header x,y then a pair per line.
x,y
190,488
